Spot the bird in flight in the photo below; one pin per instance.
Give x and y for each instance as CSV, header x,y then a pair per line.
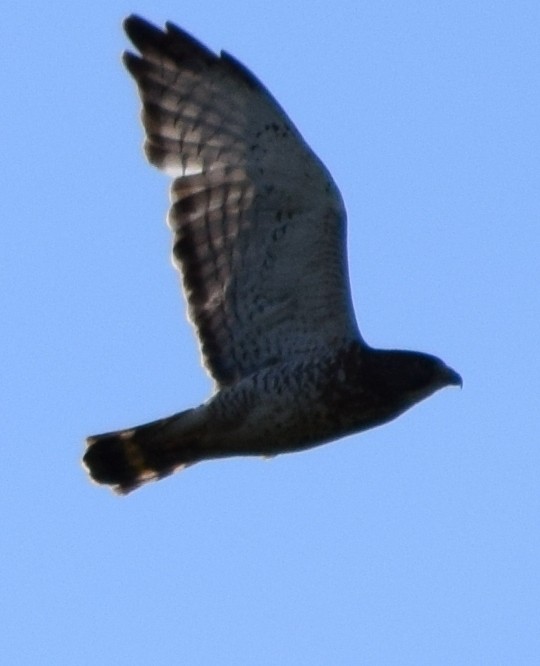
x,y
259,238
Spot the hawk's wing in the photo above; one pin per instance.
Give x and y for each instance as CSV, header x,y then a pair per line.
x,y
259,225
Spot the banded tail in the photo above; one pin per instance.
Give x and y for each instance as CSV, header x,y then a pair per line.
x,y
126,459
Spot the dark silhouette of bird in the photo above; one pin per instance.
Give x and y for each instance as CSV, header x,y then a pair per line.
x,y
259,238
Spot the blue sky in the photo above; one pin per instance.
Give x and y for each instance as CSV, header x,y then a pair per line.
x,y
415,543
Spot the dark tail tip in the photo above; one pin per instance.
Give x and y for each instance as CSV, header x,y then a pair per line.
x,y
112,459
126,459
108,461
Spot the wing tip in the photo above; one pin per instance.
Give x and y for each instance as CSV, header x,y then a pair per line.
x,y
173,41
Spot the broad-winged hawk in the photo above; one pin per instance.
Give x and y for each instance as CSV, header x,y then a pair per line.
x,y
259,238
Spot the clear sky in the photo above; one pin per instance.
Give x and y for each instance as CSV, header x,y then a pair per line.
x,y
415,543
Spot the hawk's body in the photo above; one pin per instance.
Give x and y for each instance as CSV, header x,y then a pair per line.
x,y
259,236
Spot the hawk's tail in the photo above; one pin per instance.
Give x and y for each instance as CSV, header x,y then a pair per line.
x,y
126,459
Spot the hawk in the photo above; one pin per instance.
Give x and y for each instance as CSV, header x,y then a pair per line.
x,y
259,238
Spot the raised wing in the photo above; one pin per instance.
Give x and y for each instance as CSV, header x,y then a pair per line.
x,y
259,225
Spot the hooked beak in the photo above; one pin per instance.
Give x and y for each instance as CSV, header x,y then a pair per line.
x,y
452,378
